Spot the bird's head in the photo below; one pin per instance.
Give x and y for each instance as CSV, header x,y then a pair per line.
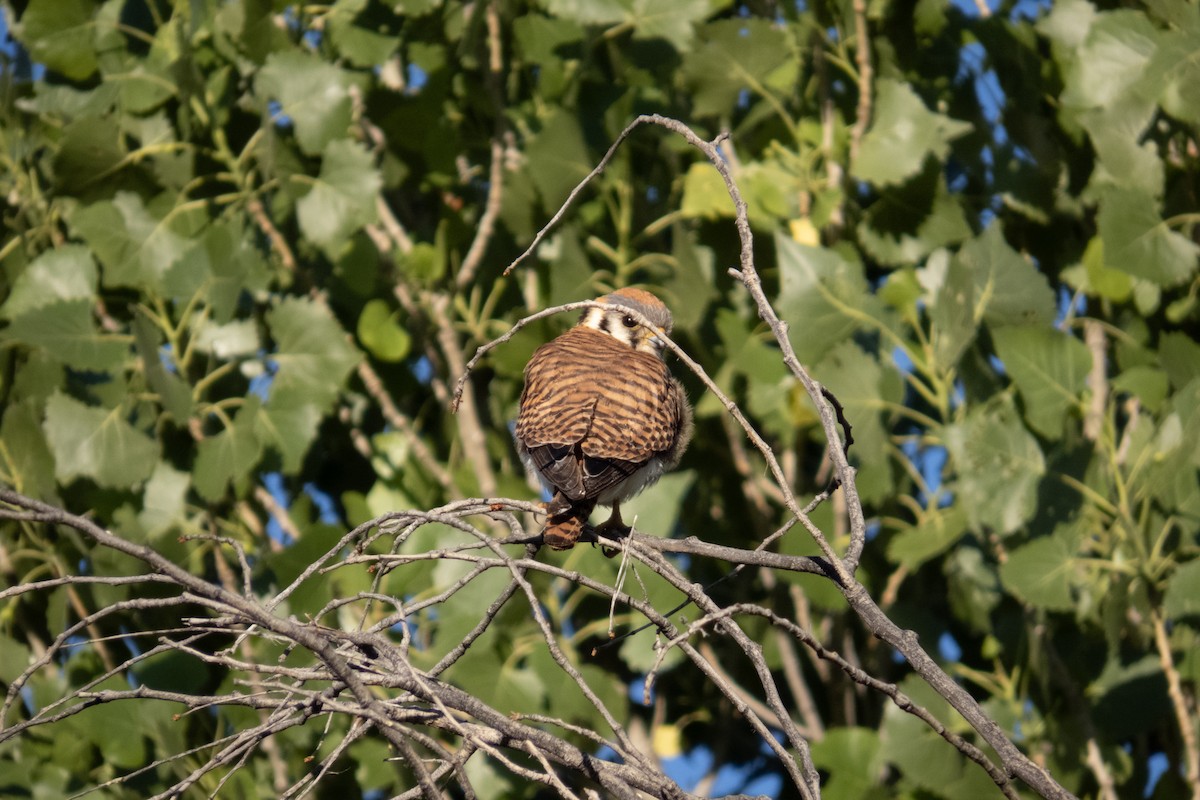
x,y
615,320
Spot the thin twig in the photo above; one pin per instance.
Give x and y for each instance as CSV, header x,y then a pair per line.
x,y
486,226
866,77
1184,716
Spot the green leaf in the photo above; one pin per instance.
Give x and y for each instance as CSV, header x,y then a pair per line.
x,y
1068,23
1039,573
1148,384
343,198
67,273
690,288
851,757
1180,356
819,291
704,194
29,465
543,40
909,222
736,55
557,158
425,263
1115,52
380,333
66,331
149,81
657,509
1010,288
589,12
1100,278
163,500
92,149
1124,158
1129,697
238,338
902,135
671,20
312,92
1182,598
922,756
97,724
934,533
311,349
952,317
1138,241
358,45
136,244
1049,368
60,34
96,443
289,422
230,455
865,389
998,464
14,659
417,8
1175,68
1172,475
174,394
231,262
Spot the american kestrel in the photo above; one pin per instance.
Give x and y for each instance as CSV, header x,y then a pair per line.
x,y
601,416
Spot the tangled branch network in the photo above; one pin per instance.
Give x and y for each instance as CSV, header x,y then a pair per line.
x,y
368,656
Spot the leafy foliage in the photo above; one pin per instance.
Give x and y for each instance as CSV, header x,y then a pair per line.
x,y
248,247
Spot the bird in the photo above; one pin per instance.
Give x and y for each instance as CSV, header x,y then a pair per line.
x,y
601,417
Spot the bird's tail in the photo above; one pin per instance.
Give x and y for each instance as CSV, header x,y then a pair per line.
x,y
564,528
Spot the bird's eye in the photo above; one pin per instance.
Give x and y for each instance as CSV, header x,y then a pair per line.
x,y
628,321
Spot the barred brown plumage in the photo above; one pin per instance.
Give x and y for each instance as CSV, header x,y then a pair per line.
x,y
601,416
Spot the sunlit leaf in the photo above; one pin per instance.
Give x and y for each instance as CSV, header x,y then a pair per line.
x,y
1050,369
1138,241
30,464
380,333
1116,49
670,20
1039,573
735,55
704,194
902,135
936,531
1180,355
136,244
289,422
66,330
67,273
97,443
163,500
229,455
313,94
1008,286
1183,592
819,291
311,349
343,198
952,307
999,465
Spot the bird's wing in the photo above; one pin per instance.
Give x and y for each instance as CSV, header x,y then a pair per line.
x,y
593,411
